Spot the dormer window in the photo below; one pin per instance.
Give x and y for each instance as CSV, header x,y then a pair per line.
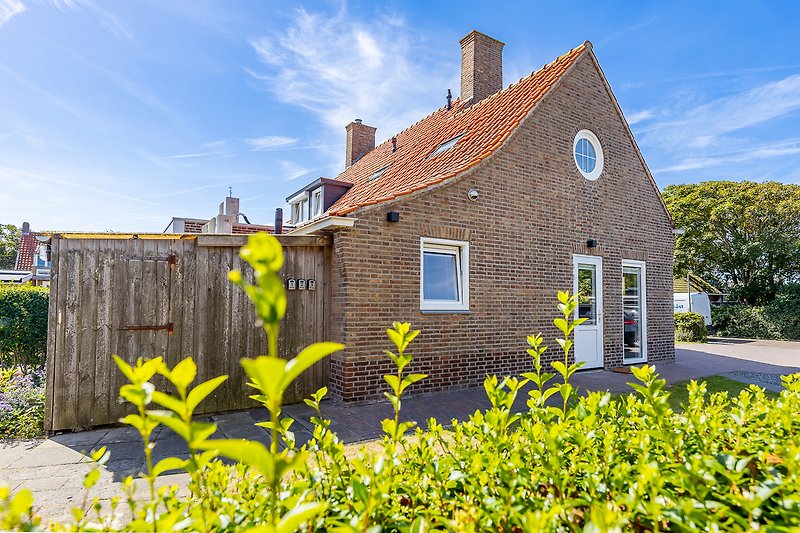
x,y
314,199
446,145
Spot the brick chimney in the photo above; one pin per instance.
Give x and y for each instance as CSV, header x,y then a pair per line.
x,y
481,67
360,140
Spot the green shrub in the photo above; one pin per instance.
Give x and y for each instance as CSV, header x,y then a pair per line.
x,y
690,327
23,326
566,464
779,319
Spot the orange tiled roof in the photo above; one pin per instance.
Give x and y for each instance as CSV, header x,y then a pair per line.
x,y
485,125
27,249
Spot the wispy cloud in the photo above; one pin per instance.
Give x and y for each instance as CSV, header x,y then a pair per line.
x,y
704,124
747,155
640,116
292,170
106,18
270,141
53,99
342,67
9,9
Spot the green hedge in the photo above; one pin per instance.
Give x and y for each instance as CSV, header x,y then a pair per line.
x,y
690,327
23,326
780,319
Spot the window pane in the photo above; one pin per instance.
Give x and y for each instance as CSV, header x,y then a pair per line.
x,y
585,155
440,276
587,301
632,311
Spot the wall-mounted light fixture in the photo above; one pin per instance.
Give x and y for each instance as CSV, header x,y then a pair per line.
x,y
591,243
473,194
392,216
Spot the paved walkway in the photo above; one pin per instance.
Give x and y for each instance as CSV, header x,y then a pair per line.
x,y
53,468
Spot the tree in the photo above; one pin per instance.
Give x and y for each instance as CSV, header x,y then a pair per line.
x,y
743,235
9,243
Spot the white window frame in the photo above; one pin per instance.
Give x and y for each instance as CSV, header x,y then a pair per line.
x,y
643,298
461,251
598,150
316,202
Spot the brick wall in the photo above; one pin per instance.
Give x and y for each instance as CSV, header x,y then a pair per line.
x,y
481,66
534,212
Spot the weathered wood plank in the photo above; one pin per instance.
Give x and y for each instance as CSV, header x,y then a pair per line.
x,y
101,285
52,336
85,339
103,365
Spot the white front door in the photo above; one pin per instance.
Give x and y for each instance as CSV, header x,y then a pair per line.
x,y
588,284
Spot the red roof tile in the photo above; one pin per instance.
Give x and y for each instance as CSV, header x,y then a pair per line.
x,y
484,125
27,249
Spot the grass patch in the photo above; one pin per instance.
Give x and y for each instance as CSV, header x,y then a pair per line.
x,y
679,395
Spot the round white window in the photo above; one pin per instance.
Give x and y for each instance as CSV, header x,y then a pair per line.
x,y
588,154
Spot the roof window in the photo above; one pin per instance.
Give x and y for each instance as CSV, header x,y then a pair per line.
x,y
378,173
446,145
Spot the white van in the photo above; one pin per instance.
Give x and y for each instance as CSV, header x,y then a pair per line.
x,y
700,304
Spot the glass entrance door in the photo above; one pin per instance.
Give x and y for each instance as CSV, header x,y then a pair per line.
x,y
588,284
633,312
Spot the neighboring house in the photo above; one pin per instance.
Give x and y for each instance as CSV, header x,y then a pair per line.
x,y
15,276
227,221
467,223
33,255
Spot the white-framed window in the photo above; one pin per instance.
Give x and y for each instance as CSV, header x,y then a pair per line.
x,y
444,275
634,311
588,154
316,202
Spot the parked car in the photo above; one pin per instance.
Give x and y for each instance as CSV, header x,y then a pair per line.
x,y
631,322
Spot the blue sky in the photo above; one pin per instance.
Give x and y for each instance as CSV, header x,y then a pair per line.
x,y
118,115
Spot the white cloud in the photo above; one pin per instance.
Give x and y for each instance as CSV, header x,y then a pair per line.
x,y
106,18
270,141
703,125
9,9
343,67
768,151
639,116
292,171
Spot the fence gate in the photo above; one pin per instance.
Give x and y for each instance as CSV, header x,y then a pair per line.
x,y
169,296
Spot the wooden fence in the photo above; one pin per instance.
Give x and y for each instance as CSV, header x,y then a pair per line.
x,y
168,295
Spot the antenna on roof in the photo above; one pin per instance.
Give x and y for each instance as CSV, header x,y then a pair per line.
x,y
449,100
394,144
230,192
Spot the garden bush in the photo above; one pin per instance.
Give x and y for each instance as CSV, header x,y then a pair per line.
x,y
23,326
779,319
21,404
592,463
690,327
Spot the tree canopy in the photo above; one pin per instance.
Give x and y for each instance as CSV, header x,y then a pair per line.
x,y
9,243
744,236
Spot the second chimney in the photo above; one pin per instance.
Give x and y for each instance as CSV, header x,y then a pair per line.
x,y
360,140
481,67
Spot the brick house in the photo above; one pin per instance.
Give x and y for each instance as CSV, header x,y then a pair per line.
x,y
467,223
33,256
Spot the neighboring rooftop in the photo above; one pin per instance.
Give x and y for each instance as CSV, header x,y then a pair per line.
x,y
483,127
698,285
28,247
